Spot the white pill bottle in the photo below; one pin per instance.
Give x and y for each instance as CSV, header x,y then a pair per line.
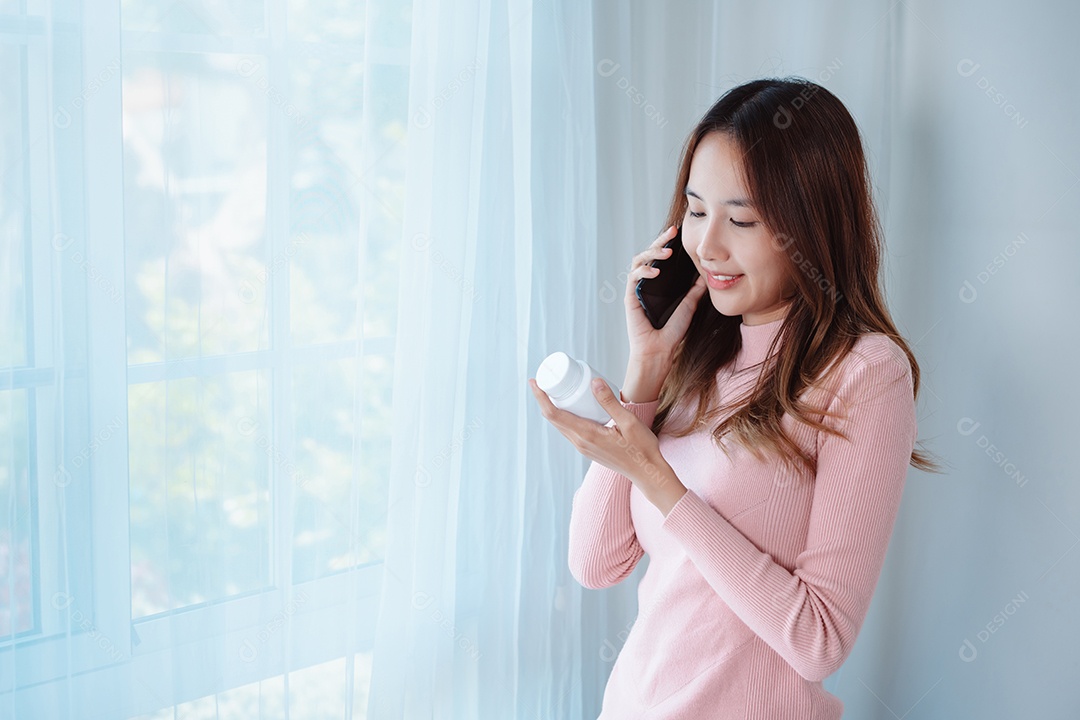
x,y
568,382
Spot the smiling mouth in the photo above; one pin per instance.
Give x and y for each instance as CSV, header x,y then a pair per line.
x,y
722,282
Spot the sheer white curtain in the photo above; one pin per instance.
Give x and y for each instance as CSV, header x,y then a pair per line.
x,y
200,213
267,443
479,615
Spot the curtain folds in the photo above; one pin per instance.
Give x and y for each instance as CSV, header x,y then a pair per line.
x,y
479,616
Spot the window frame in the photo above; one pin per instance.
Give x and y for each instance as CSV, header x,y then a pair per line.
x,y
343,605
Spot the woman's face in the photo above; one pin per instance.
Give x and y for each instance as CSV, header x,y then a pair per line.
x,y
724,234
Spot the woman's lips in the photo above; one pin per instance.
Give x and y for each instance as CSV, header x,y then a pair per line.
x,y
717,284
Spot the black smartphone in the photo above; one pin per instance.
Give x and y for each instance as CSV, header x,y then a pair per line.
x,y
660,295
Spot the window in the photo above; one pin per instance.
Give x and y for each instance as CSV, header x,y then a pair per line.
x,y
196,344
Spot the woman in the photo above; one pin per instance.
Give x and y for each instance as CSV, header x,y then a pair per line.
x,y
759,450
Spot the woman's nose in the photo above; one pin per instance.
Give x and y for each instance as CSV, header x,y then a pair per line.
x,y
712,250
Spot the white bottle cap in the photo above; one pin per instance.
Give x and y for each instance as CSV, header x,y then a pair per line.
x,y
558,375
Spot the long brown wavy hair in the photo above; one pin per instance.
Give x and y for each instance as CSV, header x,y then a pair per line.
x,y
805,171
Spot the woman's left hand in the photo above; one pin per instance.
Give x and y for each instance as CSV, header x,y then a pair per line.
x,y
628,446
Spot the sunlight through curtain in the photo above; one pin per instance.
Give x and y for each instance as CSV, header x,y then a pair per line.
x,y
201,210
274,276
480,617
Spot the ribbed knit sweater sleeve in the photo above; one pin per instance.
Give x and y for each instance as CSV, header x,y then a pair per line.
x,y
604,548
811,615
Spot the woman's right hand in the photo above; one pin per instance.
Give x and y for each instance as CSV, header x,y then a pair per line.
x,y
647,344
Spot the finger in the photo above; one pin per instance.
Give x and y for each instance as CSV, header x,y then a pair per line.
x,y
564,420
689,303
656,249
644,271
663,237
651,254
546,406
609,402
647,268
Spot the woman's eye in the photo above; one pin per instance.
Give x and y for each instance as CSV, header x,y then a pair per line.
x,y
734,222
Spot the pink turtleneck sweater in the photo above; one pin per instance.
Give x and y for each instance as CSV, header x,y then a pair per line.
x,y
759,577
